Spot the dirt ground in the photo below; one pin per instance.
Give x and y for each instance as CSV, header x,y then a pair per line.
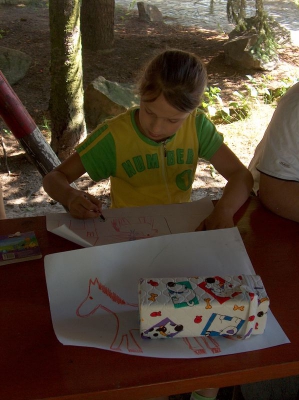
x,y
26,28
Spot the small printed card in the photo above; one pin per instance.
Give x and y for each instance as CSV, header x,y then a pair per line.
x,y
19,247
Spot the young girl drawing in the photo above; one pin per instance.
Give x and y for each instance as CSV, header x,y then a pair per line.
x,y
150,152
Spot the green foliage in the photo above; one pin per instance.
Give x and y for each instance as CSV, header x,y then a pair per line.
x,y
212,100
2,33
240,108
265,48
265,92
47,124
218,112
132,4
129,10
46,129
213,171
6,132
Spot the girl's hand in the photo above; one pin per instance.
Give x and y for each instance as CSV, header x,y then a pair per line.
x,y
83,205
235,193
218,219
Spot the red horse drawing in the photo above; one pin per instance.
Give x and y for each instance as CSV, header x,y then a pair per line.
x,y
123,336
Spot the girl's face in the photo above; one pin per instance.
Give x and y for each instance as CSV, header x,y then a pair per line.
x,y
158,120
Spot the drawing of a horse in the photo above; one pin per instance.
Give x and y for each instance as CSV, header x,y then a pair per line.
x,y
101,297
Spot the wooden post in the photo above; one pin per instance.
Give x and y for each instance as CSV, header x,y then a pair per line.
x,y
25,130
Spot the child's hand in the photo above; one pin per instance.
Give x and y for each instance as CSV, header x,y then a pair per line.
x,y
216,220
83,205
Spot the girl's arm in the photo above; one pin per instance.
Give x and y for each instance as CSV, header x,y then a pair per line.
x,y
236,191
57,184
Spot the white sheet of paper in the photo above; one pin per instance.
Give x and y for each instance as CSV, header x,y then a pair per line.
x,y
93,292
136,223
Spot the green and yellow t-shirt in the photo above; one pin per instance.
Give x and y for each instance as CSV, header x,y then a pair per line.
x,y
143,172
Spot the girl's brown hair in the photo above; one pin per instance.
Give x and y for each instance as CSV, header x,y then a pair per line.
x,y
180,76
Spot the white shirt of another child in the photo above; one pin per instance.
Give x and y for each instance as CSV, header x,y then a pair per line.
x,y
277,154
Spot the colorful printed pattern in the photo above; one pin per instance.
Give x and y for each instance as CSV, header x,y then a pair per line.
x,y
202,306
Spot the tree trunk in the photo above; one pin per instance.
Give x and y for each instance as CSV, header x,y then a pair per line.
x,y
97,24
259,5
235,10
67,99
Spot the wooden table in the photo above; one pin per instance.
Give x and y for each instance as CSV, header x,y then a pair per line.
x,y
34,365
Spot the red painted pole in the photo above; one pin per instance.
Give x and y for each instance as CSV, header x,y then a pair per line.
x,y
18,120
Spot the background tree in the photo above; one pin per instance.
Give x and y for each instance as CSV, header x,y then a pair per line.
x,y
66,98
236,11
97,24
265,48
